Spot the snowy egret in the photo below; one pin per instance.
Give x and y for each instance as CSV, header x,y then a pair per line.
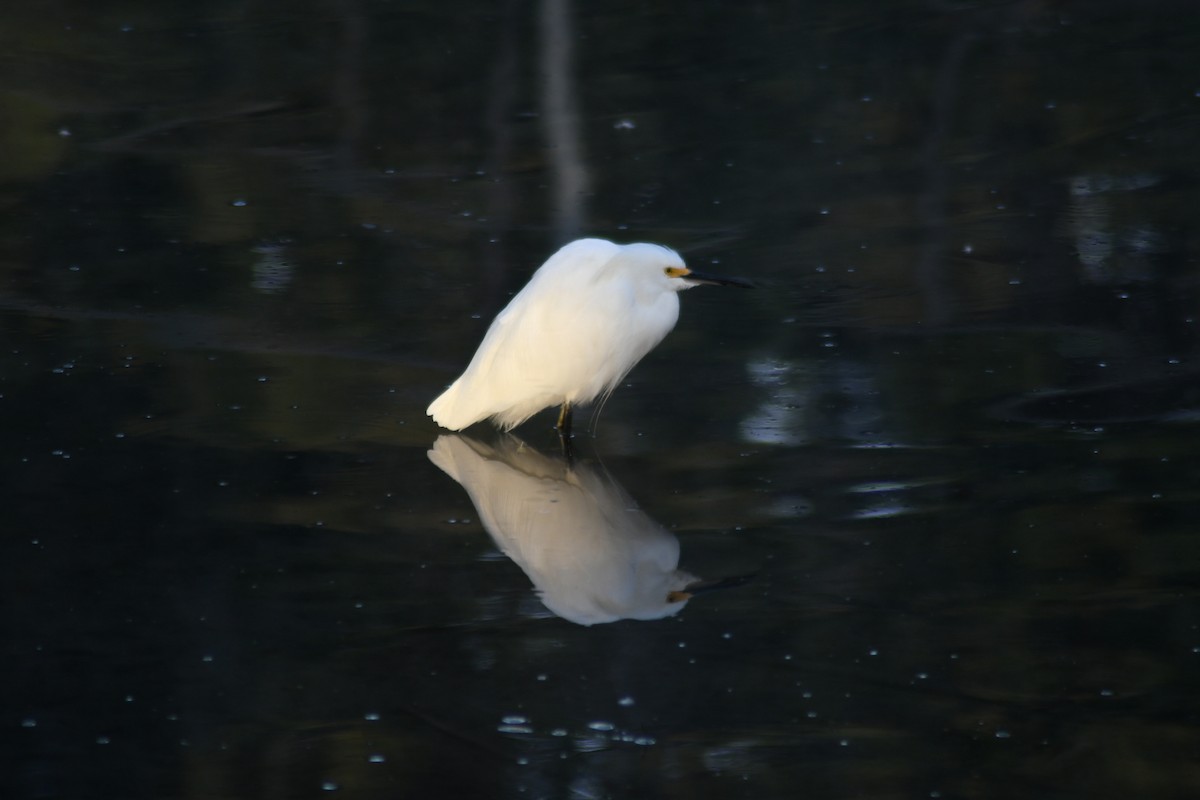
x,y
585,318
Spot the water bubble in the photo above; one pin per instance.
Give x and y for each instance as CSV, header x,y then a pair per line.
x,y
601,725
371,716
1003,734
103,740
64,132
29,722
238,203
329,786
514,719
625,701
624,125
376,758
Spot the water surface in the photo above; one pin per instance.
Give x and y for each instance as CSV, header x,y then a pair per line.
x,y
943,463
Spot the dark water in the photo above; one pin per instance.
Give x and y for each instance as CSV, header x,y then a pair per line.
x,y
943,465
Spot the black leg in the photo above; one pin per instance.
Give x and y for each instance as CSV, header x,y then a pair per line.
x,y
564,420
564,433
567,445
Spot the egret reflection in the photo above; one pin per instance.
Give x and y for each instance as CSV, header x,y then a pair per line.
x,y
593,556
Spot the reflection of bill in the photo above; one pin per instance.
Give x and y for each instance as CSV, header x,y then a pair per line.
x,y
592,555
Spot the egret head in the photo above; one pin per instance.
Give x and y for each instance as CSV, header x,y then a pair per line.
x,y
668,268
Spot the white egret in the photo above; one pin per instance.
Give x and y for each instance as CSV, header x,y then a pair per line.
x,y
585,318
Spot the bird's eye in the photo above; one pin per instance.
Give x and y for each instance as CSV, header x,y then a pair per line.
x,y
676,272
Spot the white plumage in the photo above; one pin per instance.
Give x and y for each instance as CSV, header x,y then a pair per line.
x,y
585,318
